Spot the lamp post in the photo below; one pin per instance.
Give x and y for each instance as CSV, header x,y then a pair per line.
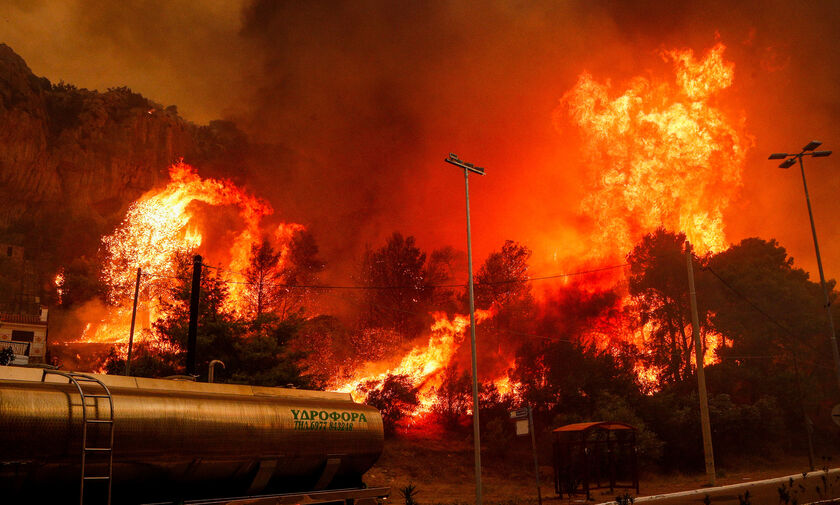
x,y
469,167
789,160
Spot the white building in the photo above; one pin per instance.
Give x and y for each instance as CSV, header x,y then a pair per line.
x,y
26,334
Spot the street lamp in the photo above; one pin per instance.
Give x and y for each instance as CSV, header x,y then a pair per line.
x,y
469,167
789,160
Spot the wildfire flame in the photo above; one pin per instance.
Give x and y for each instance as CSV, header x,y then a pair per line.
x,y
159,227
424,364
660,154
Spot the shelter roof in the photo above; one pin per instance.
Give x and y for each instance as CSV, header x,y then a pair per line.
x,y
603,425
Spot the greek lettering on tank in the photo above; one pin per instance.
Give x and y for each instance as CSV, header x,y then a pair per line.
x,y
326,420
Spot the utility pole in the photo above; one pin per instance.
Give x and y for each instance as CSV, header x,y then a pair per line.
x,y
192,330
708,452
469,167
133,318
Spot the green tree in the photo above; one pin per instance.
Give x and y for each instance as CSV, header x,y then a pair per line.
x,y
501,283
300,269
767,307
147,360
277,277
81,282
263,276
445,266
328,347
503,279
218,329
399,291
565,376
7,355
777,348
264,357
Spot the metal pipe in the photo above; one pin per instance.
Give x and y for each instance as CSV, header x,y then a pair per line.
x,y
192,330
212,368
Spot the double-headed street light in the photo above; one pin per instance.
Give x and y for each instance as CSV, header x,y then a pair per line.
x,y
789,160
469,167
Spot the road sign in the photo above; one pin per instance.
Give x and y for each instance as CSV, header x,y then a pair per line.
x,y
525,426
519,413
835,414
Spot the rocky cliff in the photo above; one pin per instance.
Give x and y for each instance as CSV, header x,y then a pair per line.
x,y
76,152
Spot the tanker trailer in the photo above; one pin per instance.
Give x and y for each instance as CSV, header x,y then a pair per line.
x,y
69,438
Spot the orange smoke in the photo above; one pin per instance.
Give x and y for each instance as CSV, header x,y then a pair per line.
x,y
660,153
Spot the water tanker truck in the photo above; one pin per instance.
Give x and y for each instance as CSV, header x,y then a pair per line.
x,y
86,438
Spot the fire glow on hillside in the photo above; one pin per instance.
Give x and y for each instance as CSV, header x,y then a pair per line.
x,y
659,154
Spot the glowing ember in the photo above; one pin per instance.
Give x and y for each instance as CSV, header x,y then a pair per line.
x,y
58,282
505,386
659,154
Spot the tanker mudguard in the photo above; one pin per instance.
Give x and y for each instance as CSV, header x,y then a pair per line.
x,y
146,440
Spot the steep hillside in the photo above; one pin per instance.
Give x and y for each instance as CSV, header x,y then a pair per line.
x,y
72,159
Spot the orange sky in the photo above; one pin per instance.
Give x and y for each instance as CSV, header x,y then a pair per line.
x,y
367,98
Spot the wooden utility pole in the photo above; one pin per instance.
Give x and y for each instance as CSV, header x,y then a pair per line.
x,y
192,330
708,452
133,318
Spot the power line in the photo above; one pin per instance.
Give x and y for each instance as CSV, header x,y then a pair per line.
x,y
419,288
758,309
750,302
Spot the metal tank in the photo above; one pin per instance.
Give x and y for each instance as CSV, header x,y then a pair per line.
x,y
175,439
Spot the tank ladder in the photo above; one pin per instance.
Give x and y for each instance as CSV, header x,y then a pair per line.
x,y
102,391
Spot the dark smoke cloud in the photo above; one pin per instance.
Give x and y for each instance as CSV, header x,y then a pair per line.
x,y
373,94
363,99
173,51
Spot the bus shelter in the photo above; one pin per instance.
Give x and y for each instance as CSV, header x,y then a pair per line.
x,y
595,455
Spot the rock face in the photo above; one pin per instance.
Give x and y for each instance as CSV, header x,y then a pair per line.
x,y
64,149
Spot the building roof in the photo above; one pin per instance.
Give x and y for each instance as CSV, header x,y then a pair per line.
x,y
7,317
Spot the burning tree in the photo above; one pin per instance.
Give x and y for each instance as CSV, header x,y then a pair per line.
x,y
658,286
395,397
278,277
402,281
502,283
